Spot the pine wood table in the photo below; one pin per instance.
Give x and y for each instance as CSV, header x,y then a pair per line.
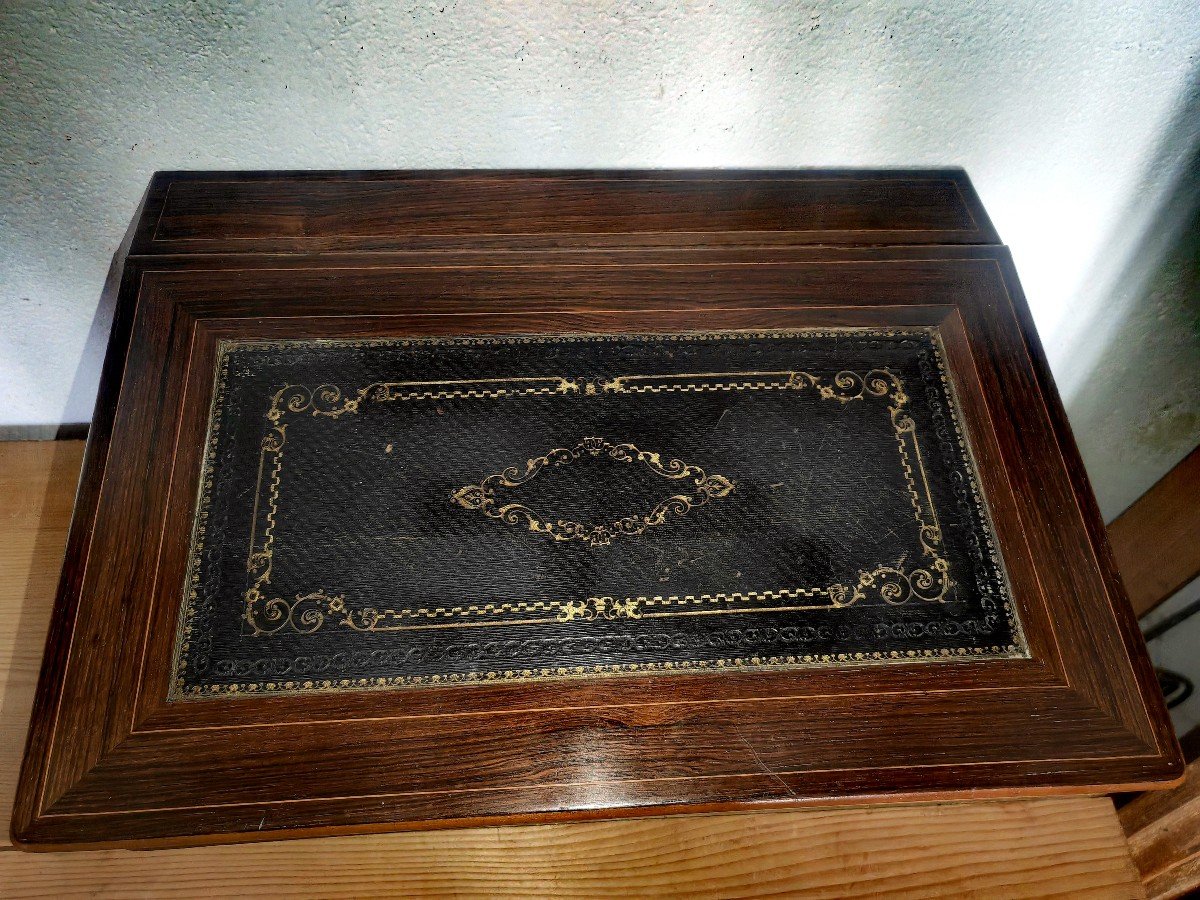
x,y
1022,848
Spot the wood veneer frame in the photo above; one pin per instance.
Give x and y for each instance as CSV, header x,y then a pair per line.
x,y
111,763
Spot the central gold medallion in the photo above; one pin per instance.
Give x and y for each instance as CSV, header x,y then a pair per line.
x,y
694,487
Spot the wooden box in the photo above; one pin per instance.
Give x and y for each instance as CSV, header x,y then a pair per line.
x,y
438,498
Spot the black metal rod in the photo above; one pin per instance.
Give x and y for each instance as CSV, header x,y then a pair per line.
x,y
1172,620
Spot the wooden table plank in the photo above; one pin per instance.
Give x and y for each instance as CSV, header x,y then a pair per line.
x,y
1163,830
1001,849
1029,848
37,492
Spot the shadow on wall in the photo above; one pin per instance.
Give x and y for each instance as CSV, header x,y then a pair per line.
x,y
83,385
1134,404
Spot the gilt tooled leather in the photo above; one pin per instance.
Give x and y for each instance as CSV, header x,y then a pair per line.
x,y
392,512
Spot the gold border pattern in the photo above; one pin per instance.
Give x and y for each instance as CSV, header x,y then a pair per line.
x,y
306,612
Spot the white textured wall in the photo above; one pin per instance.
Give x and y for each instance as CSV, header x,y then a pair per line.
x,y
1067,116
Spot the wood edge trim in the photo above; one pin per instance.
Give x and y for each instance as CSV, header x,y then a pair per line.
x,y
981,231
945,173
1038,607
1153,723
1157,772
37,758
975,207
780,804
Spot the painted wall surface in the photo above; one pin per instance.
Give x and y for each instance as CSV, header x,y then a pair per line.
x,y
1074,119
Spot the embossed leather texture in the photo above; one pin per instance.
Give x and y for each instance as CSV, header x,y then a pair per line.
x,y
390,512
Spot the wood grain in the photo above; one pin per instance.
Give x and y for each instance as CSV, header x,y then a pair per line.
x,y
1010,849
1164,836
1154,541
37,492
246,212
122,766
1031,848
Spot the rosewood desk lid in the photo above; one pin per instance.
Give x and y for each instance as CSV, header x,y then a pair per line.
x,y
416,499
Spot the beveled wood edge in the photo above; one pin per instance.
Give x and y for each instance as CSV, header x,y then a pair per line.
x,y
1154,705
145,241
122,281
95,462
254,834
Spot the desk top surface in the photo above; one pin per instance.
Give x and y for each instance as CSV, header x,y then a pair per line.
x,y
1022,848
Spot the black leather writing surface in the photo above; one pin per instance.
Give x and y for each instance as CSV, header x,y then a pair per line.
x,y
391,512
